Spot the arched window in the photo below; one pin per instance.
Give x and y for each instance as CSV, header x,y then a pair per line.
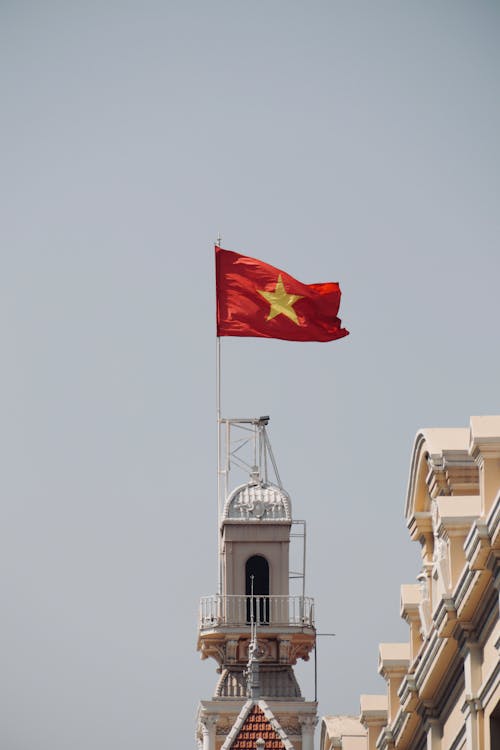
x,y
257,573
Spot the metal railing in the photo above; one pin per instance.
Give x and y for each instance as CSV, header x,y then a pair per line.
x,y
236,610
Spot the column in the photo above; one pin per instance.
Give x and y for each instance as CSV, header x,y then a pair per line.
x,y
208,727
434,734
308,724
472,673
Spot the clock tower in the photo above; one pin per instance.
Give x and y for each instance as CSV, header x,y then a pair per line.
x,y
256,627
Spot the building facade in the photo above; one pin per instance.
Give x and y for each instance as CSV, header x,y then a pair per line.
x,y
254,627
443,684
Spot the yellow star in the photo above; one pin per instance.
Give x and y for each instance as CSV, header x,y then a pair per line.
x,y
281,302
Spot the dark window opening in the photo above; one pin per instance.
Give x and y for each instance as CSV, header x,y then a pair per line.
x,y
495,727
257,571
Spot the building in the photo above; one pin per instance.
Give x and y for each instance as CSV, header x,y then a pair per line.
x,y
255,628
443,685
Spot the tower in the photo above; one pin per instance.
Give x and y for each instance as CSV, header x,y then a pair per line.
x,y
255,627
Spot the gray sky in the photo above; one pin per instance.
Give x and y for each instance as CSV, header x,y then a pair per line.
x,y
349,141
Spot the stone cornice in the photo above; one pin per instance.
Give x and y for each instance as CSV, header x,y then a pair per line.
x,y
451,473
457,513
485,436
445,617
409,601
477,545
481,451
420,524
408,693
398,723
435,659
469,591
373,710
394,659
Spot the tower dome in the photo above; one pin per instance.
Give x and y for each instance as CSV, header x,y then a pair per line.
x,y
258,501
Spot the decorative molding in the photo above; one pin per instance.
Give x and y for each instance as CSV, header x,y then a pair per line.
x,y
308,722
232,650
284,650
292,730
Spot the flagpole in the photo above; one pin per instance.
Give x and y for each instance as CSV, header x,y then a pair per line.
x,y
219,459
219,438
219,443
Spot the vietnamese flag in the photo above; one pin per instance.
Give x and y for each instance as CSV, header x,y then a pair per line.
x,y
256,299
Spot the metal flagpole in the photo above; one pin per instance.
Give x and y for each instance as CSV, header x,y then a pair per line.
x,y
219,467
219,444
219,438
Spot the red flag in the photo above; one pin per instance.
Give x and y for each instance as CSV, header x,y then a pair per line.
x,y
256,299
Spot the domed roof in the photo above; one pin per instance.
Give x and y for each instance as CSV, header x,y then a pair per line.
x,y
258,501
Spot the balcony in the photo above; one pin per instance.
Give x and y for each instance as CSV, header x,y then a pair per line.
x,y
236,611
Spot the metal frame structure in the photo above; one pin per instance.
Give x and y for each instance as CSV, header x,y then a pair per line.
x,y
244,444
236,435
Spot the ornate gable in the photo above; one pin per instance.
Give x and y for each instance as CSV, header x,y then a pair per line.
x,y
255,722
257,726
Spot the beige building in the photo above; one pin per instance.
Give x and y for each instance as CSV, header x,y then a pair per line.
x,y
443,686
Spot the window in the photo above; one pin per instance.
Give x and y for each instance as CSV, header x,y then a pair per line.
x,y
495,727
257,580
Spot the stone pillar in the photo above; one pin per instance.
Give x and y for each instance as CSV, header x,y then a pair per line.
x,y
308,723
374,709
470,711
434,734
208,727
472,673
373,732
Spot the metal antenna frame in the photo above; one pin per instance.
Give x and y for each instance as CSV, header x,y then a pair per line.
x,y
236,434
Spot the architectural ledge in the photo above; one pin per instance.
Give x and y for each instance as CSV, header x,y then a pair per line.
x,y
485,436
477,545
469,591
344,732
404,732
445,617
230,646
394,658
411,596
398,725
457,513
463,586
373,709
436,657
408,693
420,524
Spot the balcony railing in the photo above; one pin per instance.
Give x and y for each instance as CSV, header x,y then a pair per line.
x,y
275,611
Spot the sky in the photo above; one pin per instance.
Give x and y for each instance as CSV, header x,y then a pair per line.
x,y
341,141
